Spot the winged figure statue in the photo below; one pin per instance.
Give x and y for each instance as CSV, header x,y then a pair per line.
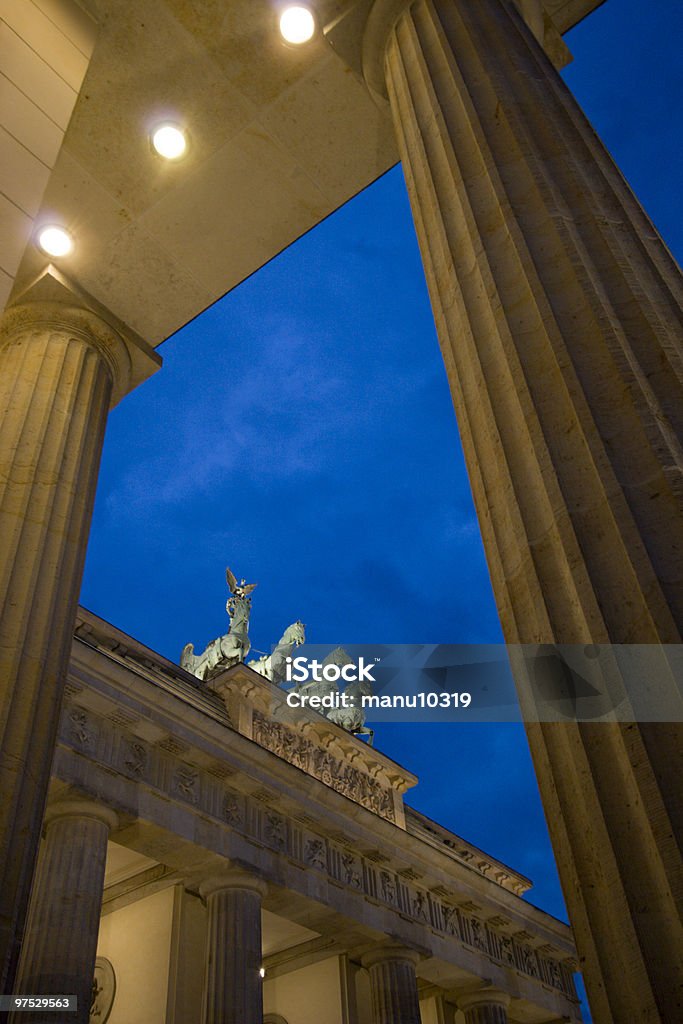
x,y
241,589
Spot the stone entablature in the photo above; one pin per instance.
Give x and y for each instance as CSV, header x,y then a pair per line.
x,y
115,730
258,709
445,841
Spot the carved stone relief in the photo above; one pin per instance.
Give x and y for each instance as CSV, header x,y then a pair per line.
x,y
420,906
332,772
507,953
103,991
351,871
478,932
135,757
528,961
81,729
230,808
184,783
275,831
387,887
450,919
315,854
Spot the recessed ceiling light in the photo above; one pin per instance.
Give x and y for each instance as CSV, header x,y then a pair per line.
x,y
55,241
169,141
297,24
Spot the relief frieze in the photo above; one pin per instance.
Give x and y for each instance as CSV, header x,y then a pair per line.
x,y
331,771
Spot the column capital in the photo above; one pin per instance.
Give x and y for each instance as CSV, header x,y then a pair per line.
x,y
483,997
367,53
55,303
391,952
78,808
381,20
232,878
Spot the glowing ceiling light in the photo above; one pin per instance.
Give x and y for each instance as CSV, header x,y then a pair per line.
x,y
55,241
262,972
169,141
297,24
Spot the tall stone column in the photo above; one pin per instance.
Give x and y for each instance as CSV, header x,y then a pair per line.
x,y
63,361
558,310
488,1006
393,985
60,941
233,991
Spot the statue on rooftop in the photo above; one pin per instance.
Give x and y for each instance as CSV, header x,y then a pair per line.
x,y
241,589
233,646
272,666
351,718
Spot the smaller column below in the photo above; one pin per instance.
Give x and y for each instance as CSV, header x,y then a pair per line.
x,y
488,1006
233,990
393,985
60,941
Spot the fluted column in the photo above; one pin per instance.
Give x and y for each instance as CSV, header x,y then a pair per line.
x,y
488,1006
60,942
558,310
233,992
62,364
393,985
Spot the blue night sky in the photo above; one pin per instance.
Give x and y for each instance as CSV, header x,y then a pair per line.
x,y
301,431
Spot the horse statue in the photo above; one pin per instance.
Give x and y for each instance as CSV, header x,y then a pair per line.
x,y
351,718
233,646
273,666
321,687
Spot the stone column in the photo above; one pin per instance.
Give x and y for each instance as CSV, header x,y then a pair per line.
x,y
393,985
233,991
63,362
558,310
488,1006
60,941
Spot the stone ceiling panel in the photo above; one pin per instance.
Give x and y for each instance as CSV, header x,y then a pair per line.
x,y
264,199
279,138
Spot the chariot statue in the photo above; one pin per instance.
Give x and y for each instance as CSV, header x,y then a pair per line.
x,y
233,646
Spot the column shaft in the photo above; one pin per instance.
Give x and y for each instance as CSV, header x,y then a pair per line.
x,y
60,365
393,987
60,941
54,399
486,1013
234,988
558,310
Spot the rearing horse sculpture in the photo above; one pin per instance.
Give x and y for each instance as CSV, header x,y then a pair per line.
x,y
272,666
